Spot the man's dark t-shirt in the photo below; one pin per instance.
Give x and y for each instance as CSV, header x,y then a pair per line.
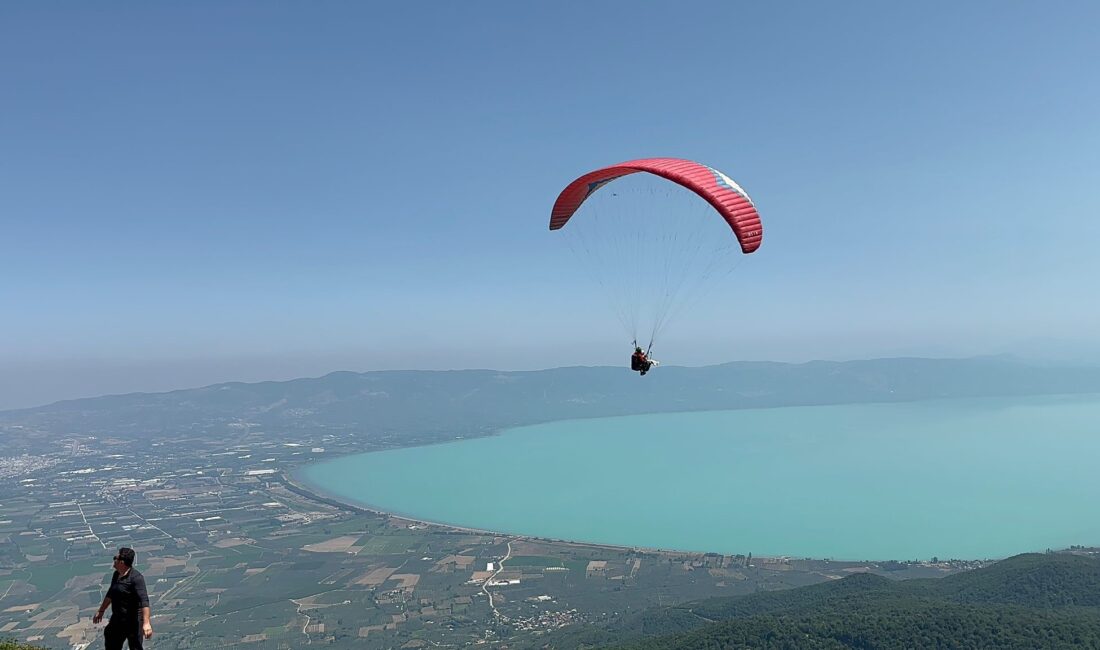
x,y
127,596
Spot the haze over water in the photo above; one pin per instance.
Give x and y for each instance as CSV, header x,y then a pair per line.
x,y
979,478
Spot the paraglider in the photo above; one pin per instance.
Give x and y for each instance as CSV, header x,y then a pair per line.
x,y
640,361
726,196
657,253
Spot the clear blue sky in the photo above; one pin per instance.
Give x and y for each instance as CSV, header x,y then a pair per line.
x,y
207,191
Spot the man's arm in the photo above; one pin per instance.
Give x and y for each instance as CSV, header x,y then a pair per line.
x,y
102,608
143,603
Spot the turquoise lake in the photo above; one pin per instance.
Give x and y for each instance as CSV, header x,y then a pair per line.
x,y
975,478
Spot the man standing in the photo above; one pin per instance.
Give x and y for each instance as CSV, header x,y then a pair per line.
x,y
129,605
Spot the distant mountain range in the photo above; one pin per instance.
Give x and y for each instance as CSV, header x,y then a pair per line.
x,y
1029,601
477,402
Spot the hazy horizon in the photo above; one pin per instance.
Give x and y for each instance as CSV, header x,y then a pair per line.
x,y
117,377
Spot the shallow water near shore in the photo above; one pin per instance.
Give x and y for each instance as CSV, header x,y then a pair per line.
x,y
974,478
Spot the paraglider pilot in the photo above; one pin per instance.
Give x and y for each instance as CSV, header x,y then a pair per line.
x,y
639,362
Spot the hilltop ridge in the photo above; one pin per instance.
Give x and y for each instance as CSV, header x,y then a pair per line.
x,y
1026,601
478,402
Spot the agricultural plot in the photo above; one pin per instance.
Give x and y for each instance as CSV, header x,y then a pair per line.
x,y
389,544
534,561
50,579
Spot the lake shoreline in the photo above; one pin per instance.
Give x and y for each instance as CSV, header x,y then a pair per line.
x,y
318,494
913,480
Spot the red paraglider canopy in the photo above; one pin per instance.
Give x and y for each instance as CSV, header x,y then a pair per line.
x,y
726,196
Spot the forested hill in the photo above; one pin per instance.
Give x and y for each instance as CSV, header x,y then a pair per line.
x,y
473,402
1028,601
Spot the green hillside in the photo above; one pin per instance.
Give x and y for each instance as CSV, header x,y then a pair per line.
x,y
1027,601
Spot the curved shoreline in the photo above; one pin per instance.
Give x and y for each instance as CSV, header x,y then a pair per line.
x,y
293,483
298,477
